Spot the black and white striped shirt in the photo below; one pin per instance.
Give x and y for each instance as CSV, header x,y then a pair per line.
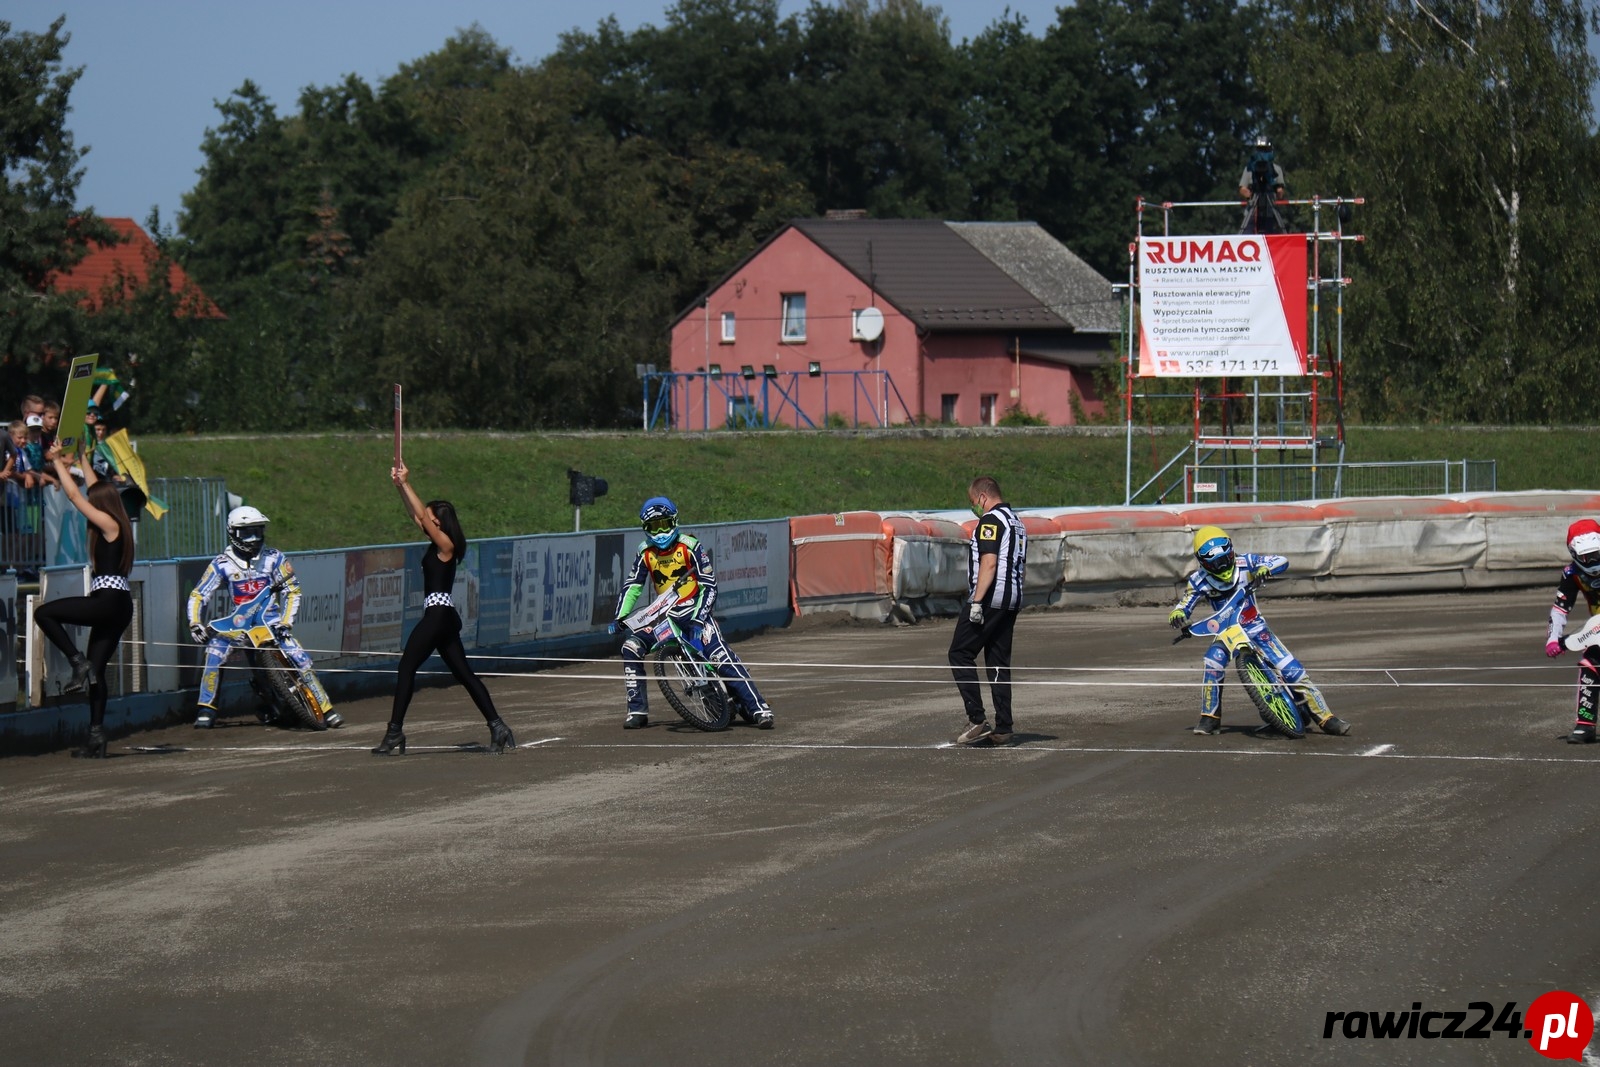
x,y
999,533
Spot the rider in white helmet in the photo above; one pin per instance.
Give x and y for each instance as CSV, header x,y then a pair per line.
x,y
248,567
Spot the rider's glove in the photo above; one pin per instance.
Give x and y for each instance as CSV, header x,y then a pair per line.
x,y
198,632
975,613
282,629
616,625
1177,619
1260,572
1553,649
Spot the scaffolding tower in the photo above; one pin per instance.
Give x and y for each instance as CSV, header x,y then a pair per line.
x,y
1293,423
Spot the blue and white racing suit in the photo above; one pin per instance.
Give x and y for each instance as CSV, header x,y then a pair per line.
x,y
1212,590
246,578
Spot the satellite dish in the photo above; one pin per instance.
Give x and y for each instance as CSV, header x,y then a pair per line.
x,y
869,324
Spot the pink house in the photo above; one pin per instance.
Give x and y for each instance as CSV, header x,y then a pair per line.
x,y
884,322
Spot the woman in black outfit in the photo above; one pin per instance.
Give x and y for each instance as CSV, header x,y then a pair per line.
x,y
439,629
107,609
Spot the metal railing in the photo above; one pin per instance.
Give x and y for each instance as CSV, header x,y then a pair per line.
x,y
195,523
1268,482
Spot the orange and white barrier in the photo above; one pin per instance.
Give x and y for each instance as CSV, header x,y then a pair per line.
x,y
915,563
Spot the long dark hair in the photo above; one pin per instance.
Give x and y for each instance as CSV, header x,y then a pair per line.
x,y
445,512
104,496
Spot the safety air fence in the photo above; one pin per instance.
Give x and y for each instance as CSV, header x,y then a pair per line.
x,y
529,603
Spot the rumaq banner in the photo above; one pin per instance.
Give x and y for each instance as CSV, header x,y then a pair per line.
x,y
1212,307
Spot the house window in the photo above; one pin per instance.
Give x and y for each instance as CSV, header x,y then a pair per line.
x,y
794,316
727,327
986,409
947,408
742,412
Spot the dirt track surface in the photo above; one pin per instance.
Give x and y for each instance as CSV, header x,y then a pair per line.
x,y
1111,889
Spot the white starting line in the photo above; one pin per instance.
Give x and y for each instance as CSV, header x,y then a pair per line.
x,y
1385,751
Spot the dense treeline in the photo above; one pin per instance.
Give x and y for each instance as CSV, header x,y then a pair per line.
x,y
510,240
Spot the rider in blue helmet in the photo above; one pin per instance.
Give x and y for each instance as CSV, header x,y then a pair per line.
x,y
665,556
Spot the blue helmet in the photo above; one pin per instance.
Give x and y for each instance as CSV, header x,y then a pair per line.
x,y
659,517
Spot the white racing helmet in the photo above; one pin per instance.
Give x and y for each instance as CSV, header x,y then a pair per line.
x,y
1583,545
247,531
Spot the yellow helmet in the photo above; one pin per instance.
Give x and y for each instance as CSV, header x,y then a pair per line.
x,y
1214,550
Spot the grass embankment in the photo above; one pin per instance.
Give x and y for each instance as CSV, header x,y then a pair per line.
x,y
333,490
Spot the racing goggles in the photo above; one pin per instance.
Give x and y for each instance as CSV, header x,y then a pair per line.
x,y
660,524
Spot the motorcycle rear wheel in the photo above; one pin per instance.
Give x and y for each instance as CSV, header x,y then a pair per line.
x,y
1271,697
692,687
282,680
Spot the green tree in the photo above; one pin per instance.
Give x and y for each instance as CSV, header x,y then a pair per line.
x,y
1119,98
43,229
1474,295
525,277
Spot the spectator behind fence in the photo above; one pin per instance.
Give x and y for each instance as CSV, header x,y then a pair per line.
x,y
33,446
100,455
51,417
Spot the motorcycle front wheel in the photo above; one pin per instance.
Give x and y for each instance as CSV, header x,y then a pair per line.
x,y
692,687
1271,697
282,680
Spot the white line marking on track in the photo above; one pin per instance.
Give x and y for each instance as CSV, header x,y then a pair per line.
x,y
467,746
1378,752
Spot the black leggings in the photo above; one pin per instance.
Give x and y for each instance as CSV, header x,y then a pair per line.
x,y
107,613
439,630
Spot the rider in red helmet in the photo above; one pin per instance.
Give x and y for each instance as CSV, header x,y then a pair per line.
x,y
1581,577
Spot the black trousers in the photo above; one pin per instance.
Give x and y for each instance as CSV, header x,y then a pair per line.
x,y
107,613
439,630
993,639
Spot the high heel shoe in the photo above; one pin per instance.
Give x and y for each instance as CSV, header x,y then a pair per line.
x,y
94,748
500,737
79,682
394,738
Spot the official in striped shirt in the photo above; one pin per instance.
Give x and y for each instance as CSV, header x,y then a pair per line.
x,y
999,554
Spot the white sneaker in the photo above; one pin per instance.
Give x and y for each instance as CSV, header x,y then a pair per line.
x,y
974,733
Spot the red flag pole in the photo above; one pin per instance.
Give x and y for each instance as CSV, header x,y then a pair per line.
x,y
397,424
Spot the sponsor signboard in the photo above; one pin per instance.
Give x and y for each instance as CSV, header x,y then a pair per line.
x,y
1222,306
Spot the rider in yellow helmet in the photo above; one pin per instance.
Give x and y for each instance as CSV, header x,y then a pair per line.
x,y
1221,572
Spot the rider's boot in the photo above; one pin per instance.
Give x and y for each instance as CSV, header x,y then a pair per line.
x,y
636,720
1582,730
763,717
1312,700
205,717
1209,724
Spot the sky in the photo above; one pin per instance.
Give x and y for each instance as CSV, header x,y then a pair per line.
x,y
153,69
